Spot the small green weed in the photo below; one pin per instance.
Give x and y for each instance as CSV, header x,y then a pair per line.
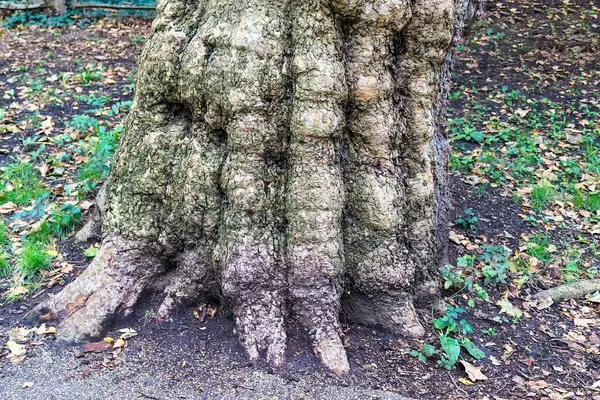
x,y
468,220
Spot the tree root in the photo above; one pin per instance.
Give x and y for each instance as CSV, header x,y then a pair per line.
x,y
394,313
110,285
568,291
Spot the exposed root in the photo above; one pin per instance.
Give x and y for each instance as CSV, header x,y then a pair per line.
x,y
110,285
568,291
187,282
393,313
332,354
92,230
260,325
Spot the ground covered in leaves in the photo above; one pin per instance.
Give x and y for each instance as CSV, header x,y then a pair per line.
x,y
525,128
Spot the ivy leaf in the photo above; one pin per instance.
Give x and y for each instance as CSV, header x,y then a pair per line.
x,y
451,349
473,350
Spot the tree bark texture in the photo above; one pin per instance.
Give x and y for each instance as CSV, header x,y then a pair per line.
x,y
289,155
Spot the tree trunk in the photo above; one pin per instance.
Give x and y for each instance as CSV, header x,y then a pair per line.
x,y
287,154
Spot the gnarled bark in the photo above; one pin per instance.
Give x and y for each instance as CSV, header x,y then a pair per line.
x,y
284,153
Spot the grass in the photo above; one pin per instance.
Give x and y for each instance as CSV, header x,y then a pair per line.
x,y
20,183
538,246
541,195
33,259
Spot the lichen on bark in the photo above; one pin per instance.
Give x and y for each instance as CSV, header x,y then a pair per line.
x,y
287,154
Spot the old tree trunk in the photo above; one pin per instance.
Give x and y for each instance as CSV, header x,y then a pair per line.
x,y
288,155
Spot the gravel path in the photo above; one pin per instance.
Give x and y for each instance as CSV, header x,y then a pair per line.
x,y
54,373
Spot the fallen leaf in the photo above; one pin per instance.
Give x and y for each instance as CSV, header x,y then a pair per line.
x,y
19,335
537,385
15,349
119,343
584,322
507,308
127,333
7,208
97,347
42,330
465,381
474,372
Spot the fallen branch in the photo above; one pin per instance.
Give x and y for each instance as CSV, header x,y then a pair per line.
x,y
113,6
6,5
568,291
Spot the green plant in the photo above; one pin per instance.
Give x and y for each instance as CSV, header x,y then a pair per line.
x,y
89,74
495,267
490,332
64,220
20,183
538,246
5,267
468,220
424,353
83,123
452,333
4,240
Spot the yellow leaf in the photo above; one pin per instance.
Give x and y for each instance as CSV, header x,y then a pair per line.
x,y
119,343
465,381
109,339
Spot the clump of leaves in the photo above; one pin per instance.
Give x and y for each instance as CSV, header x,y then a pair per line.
x,y
496,265
538,246
64,220
468,220
83,123
452,332
100,151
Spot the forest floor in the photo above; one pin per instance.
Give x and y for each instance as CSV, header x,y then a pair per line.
x,y
525,129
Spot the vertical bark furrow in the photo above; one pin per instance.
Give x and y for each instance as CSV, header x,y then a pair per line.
x,y
441,146
379,267
248,254
315,195
426,41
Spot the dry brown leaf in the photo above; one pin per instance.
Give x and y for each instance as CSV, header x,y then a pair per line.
x,y
97,347
584,322
474,372
537,385
7,208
